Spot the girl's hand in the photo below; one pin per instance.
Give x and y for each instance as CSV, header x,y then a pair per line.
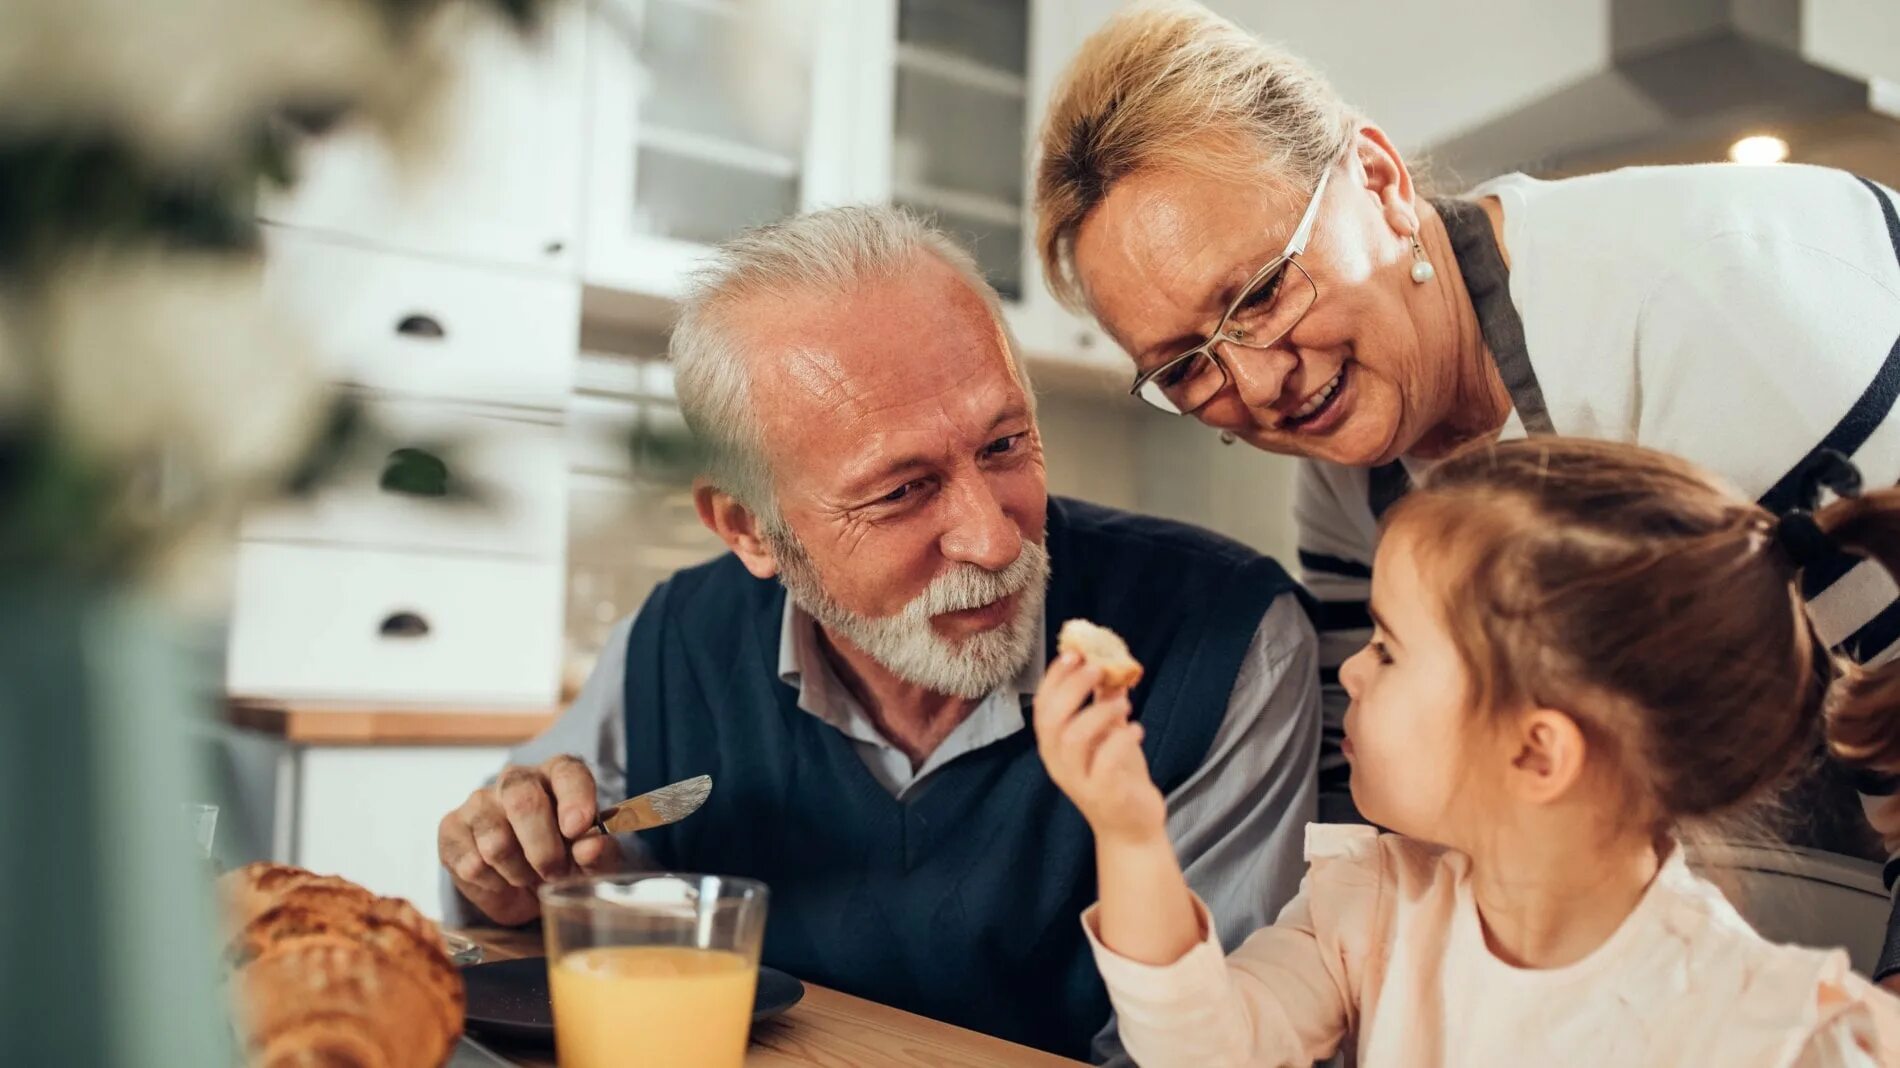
x,y
1093,752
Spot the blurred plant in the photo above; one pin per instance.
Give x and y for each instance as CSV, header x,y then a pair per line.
x,y
145,390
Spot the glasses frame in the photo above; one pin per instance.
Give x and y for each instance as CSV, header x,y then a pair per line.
x,y
1288,258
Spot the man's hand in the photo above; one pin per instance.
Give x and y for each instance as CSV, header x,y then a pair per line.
x,y
532,826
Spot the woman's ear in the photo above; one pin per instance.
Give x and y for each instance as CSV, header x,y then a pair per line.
x,y
1382,171
1547,755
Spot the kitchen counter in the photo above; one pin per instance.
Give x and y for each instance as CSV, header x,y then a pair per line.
x,y
320,724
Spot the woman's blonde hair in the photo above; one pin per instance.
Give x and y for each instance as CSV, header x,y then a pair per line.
x,y
1170,83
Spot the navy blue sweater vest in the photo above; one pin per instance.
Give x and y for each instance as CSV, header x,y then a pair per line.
x,y
960,903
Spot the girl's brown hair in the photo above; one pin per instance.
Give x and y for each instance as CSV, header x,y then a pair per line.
x,y
1657,606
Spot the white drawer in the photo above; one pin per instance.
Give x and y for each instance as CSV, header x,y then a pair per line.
x,y
424,328
514,470
310,623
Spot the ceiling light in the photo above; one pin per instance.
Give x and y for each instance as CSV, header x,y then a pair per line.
x,y
1761,148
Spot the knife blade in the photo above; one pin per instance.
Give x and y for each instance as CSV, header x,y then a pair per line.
x,y
655,808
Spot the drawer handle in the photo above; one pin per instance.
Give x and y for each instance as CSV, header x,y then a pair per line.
x,y
404,625
423,326
415,473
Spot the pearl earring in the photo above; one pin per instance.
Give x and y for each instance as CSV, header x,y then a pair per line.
x,y
1422,269
1227,437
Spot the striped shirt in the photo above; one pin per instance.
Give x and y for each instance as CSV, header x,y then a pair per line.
x,y
1740,317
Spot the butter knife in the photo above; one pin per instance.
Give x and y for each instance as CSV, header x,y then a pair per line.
x,y
655,808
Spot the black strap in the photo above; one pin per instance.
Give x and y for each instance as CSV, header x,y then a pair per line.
x,y
1342,615
1333,565
1488,280
1873,407
1385,484
1848,435
1889,963
1868,411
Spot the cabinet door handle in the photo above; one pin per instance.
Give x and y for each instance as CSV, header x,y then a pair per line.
x,y
415,473
422,326
403,625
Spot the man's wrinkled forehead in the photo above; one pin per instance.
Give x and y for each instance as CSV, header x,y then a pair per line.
x,y
874,353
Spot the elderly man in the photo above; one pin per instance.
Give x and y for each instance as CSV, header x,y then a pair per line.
x,y
854,674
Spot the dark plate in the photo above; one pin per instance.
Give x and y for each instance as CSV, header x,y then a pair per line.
x,y
508,999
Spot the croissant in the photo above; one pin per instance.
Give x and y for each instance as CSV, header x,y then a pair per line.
x,y
332,1002
328,975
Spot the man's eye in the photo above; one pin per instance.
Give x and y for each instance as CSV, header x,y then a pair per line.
x,y
1002,446
900,493
1381,653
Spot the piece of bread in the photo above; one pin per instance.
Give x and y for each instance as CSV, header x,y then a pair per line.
x,y
398,943
1103,648
328,1000
255,889
328,975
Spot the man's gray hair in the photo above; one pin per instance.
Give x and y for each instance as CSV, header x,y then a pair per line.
x,y
823,253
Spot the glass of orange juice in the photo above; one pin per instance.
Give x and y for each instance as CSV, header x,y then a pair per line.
x,y
655,970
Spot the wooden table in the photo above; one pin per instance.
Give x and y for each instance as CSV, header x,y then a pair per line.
x,y
826,1029
333,723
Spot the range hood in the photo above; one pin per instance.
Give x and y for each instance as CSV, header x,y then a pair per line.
x,y
1681,71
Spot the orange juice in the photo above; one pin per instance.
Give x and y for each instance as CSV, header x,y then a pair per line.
x,y
652,1007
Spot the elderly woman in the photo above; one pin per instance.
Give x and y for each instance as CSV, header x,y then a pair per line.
x,y
1262,253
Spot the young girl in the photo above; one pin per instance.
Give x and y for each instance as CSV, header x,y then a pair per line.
x,y
1580,647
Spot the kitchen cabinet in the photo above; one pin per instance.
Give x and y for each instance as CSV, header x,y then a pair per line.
x,y
370,814
444,290
929,104
962,88
705,117
409,325
339,622
497,180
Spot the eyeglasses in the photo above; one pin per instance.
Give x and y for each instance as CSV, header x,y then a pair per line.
x,y
1267,308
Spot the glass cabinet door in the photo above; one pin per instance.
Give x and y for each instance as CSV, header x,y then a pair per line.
x,y
959,126
701,126
723,103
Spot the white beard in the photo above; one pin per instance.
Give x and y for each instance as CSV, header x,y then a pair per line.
x,y
908,646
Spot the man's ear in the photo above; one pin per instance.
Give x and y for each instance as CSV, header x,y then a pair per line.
x,y
737,526
1548,757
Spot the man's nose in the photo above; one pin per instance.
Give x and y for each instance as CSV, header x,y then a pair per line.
x,y
980,531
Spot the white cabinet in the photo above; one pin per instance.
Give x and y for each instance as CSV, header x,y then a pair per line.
x,y
959,91
333,622
500,180
443,283
501,488
964,87
370,814
705,117
708,116
412,326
